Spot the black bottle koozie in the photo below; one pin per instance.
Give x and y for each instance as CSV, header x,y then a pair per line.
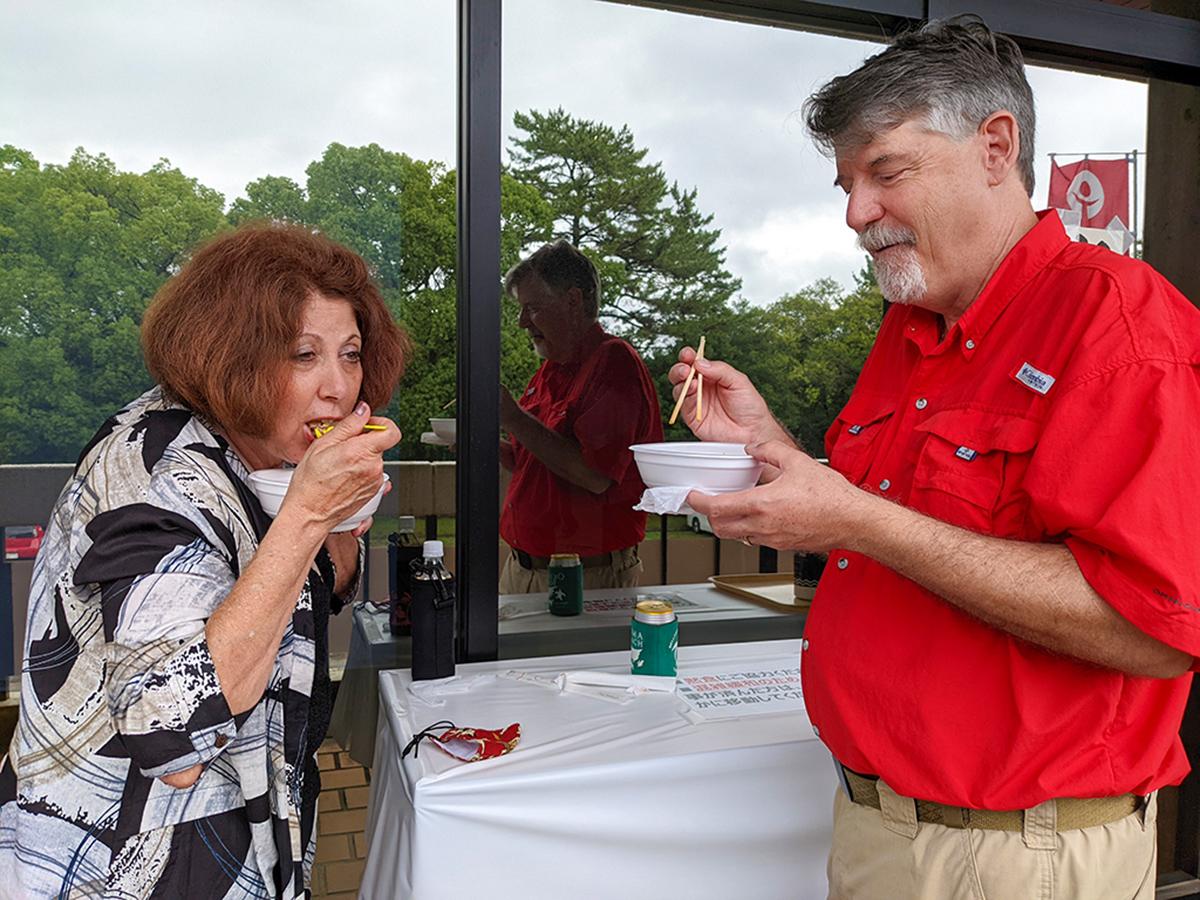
x,y
432,613
400,581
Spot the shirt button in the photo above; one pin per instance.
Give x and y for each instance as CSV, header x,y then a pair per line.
x,y
804,644
970,344
884,485
922,403
221,740
843,562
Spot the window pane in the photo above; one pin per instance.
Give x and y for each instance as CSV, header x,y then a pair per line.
x,y
670,150
133,134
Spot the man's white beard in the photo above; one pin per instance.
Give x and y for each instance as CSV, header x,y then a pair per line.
x,y
899,274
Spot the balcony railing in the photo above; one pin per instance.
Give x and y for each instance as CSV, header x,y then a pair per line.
x,y
422,489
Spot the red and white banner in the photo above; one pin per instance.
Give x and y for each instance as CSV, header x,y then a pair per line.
x,y
1098,189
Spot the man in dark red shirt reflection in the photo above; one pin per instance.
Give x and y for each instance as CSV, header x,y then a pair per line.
x,y
574,482
999,652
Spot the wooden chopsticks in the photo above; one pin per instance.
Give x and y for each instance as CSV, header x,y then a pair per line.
x,y
687,384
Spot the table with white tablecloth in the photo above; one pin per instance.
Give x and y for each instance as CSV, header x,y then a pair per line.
x,y
706,615
603,797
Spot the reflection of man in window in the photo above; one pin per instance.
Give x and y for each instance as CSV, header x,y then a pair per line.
x,y
574,482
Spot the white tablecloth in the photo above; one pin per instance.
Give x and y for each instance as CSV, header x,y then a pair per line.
x,y
600,800
706,616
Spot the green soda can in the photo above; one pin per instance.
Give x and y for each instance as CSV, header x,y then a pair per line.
x,y
566,584
654,639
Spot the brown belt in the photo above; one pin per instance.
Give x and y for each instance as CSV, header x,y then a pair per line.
x,y
530,562
1071,813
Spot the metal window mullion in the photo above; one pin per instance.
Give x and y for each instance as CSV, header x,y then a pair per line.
x,y
477,504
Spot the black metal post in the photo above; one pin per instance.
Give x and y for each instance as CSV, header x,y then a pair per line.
x,y
716,555
768,559
6,623
1187,825
477,505
662,545
364,590
431,528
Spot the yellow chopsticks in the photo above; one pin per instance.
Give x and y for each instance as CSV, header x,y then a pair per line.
x,y
687,384
322,430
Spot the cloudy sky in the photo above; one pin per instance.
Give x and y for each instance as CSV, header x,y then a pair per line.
x,y
230,91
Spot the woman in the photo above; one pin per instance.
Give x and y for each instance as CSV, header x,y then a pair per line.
x,y
176,684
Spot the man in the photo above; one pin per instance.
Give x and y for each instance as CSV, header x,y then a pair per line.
x,y
998,653
574,482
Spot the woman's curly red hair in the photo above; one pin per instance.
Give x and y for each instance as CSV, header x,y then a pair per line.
x,y
217,336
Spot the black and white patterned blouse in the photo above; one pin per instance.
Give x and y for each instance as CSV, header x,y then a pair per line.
x,y
145,541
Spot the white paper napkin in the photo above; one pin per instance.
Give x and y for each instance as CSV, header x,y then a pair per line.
x,y
663,500
633,684
429,692
610,686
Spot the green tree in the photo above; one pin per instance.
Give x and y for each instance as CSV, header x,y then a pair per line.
x,y
662,270
810,347
83,248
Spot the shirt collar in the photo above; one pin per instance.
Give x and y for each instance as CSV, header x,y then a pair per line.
x,y
1024,262
592,339
1031,255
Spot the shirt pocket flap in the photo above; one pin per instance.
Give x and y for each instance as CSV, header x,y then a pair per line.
x,y
966,452
984,431
866,410
858,426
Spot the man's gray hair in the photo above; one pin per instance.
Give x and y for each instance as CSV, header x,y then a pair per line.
x,y
562,267
953,73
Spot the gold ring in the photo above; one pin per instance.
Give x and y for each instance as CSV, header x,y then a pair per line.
x,y
746,540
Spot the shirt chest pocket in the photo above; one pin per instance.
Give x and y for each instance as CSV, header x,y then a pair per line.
x,y
970,468
559,417
859,429
553,414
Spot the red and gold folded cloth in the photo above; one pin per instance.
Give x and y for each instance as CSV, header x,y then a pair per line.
x,y
468,744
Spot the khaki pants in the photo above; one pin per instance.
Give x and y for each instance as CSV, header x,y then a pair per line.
x,y
623,570
888,855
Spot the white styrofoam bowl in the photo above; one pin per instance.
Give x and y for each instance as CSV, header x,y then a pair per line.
x,y
446,429
712,467
270,486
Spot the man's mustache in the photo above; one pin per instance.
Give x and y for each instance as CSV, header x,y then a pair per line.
x,y
878,236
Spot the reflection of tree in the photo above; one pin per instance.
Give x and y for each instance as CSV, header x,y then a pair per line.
x,y
660,264
83,247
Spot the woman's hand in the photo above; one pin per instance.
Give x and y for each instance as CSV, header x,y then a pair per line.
x,y
340,471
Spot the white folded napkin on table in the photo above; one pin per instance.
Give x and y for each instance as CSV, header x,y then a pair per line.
x,y
610,686
665,500
428,692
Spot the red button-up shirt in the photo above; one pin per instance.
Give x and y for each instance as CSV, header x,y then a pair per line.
x,y
1062,407
604,403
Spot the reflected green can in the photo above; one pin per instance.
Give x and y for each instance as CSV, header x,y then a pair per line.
x,y
565,575
654,639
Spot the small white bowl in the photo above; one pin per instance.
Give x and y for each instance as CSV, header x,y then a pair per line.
x,y
712,467
446,429
270,486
